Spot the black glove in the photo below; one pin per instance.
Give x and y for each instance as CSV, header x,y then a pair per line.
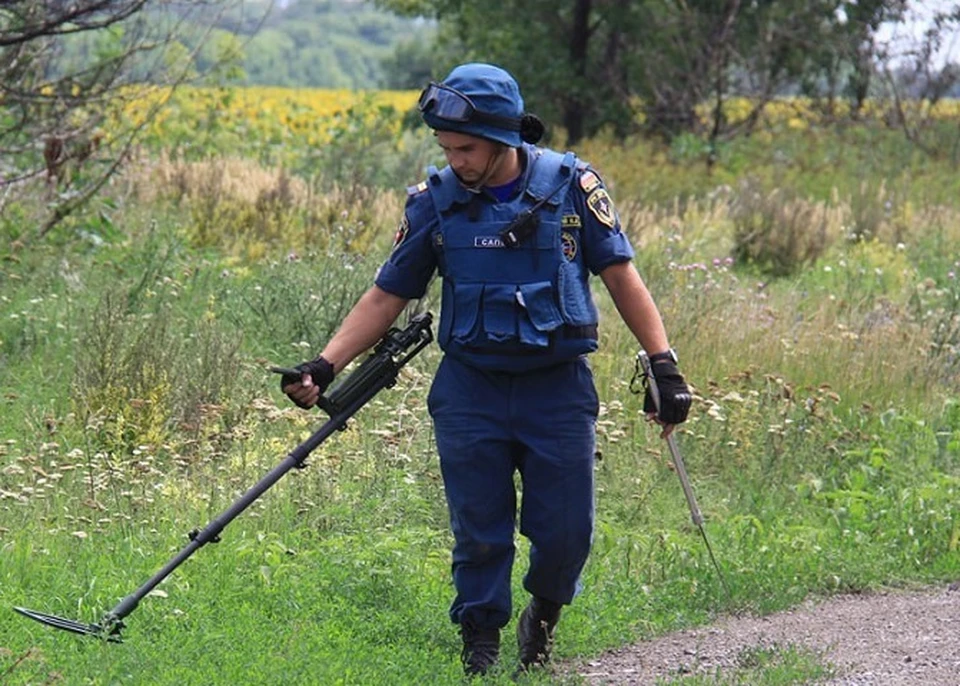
x,y
675,395
320,370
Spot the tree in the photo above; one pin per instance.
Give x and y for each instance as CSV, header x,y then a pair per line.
x,y
915,77
67,69
329,44
565,54
594,63
410,66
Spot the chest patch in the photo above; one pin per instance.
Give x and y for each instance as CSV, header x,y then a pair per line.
x,y
571,221
568,245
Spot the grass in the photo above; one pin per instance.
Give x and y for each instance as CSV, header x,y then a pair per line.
x,y
824,444
763,666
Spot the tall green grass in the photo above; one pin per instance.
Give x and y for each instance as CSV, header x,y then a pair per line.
x,y
824,442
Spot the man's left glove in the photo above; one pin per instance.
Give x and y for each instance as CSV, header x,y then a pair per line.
x,y
675,395
320,371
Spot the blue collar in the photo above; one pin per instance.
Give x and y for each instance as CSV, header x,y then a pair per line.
x,y
505,191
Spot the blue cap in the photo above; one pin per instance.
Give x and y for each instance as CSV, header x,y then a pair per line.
x,y
493,91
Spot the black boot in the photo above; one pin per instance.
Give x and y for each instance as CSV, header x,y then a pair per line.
x,y
535,632
481,649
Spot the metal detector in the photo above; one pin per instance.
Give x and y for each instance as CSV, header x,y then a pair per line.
x,y
375,373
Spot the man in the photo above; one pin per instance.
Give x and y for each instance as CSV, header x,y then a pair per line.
x,y
514,231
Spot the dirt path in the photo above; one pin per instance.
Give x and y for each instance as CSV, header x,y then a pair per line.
x,y
878,639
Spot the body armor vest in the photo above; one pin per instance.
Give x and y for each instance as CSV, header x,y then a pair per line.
x,y
511,308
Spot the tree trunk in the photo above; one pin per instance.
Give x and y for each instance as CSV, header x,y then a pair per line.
x,y
573,109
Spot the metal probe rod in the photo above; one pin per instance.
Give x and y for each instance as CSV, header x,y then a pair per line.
x,y
681,470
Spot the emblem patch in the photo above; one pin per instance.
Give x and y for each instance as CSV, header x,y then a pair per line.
x,y
602,207
568,245
402,231
571,221
589,181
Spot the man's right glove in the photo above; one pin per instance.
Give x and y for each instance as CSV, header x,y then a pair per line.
x,y
675,395
320,371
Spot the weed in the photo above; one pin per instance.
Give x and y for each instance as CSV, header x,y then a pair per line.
x,y
779,233
822,444
140,376
293,306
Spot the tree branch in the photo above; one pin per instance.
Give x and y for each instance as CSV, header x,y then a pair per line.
x,y
77,18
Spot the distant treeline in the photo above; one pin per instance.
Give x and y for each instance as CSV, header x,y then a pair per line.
x,y
329,44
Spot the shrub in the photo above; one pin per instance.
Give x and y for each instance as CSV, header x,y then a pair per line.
x,y
291,307
248,210
779,233
141,375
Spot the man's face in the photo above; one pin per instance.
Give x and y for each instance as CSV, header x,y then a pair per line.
x,y
469,156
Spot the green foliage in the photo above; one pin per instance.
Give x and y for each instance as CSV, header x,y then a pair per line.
x,y
322,44
767,666
937,304
67,69
290,308
363,151
136,406
664,59
574,86
410,66
140,375
222,59
778,234
354,150
869,180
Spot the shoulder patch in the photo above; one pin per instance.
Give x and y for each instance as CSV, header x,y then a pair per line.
x,y
402,230
589,181
416,190
601,206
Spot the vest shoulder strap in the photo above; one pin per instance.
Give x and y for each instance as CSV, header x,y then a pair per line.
x,y
443,185
549,170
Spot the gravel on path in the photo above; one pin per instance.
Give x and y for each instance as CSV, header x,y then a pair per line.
x,y
888,638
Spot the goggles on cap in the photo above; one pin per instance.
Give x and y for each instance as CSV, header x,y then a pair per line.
x,y
451,105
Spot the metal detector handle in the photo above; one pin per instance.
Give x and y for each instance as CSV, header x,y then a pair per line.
x,y
695,513
382,365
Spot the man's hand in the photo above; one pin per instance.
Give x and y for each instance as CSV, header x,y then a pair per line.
x,y
304,383
675,396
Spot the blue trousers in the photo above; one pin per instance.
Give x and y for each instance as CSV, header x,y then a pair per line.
x,y
488,426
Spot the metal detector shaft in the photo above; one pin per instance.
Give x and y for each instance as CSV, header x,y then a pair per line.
x,y
379,371
680,468
211,533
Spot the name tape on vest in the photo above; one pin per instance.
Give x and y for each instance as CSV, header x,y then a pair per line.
x,y
487,242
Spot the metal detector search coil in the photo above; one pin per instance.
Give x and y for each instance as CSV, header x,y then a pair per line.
x,y
377,372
